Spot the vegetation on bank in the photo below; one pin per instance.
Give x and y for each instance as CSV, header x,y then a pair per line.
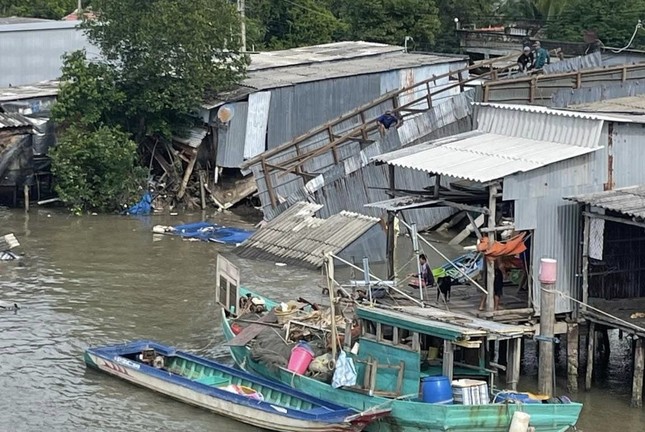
x,y
159,58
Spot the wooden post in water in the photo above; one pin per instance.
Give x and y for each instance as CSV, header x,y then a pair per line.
x,y
513,361
448,358
572,357
490,264
26,193
591,351
547,326
639,366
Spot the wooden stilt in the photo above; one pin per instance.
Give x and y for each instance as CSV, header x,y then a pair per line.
x,y
26,193
606,348
547,329
448,358
572,357
513,360
591,351
490,264
639,365
187,174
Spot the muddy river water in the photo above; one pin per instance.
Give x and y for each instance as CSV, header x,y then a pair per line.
x,y
104,279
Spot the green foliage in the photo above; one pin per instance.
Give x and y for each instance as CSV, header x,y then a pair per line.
x,y
167,53
89,93
49,9
278,24
160,57
390,21
613,20
539,10
96,169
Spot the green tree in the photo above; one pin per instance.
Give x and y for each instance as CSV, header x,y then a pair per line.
x,y
158,59
390,21
538,10
96,169
167,54
278,24
613,20
49,9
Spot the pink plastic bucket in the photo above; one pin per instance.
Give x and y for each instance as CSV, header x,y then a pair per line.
x,y
301,356
548,270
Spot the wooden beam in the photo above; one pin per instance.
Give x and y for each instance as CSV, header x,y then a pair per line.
x,y
187,174
639,366
490,264
268,182
299,172
615,219
572,357
591,352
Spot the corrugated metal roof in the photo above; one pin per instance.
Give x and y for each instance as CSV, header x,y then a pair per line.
x,y
43,89
8,120
623,105
482,156
629,201
319,53
551,111
298,237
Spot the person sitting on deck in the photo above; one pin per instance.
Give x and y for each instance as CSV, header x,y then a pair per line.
x,y
388,120
427,278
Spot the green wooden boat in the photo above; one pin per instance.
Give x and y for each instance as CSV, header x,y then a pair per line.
x,y
409,413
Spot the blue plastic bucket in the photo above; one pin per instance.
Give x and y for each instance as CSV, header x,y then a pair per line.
x,y
436,389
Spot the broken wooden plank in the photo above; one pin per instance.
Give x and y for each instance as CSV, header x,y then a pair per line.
x,y
8,242
467,231
252,331
187,174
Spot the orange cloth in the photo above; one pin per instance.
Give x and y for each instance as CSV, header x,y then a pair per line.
x,y
511,247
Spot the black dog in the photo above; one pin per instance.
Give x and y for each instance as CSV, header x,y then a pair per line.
x,y
444,284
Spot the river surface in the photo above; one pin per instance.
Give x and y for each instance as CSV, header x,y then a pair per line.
x,y
103,279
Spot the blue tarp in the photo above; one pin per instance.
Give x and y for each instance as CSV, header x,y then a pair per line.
x,y
206,231
143,207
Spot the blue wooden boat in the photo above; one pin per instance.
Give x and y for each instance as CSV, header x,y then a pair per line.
x,y
409,413
226,391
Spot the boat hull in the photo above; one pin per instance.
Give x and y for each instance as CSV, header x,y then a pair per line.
x,y
411,416
244,414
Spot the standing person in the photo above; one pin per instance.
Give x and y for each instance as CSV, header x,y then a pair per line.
x,y
541,56
498,285
525,60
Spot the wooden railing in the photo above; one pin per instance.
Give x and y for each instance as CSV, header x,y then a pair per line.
x,y
331,138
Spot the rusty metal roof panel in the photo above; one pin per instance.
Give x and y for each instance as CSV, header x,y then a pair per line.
x,y
298,237
10,120
629,201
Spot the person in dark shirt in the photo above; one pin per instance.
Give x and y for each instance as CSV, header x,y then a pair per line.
x,y
498,285
525,60
388,120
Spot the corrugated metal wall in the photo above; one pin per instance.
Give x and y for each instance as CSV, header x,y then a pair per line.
x,y
230,138
31,53
539,203
568,97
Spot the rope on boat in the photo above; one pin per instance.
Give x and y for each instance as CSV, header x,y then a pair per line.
x,y
561,294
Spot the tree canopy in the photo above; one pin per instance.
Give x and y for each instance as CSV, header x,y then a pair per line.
x,y
157,61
